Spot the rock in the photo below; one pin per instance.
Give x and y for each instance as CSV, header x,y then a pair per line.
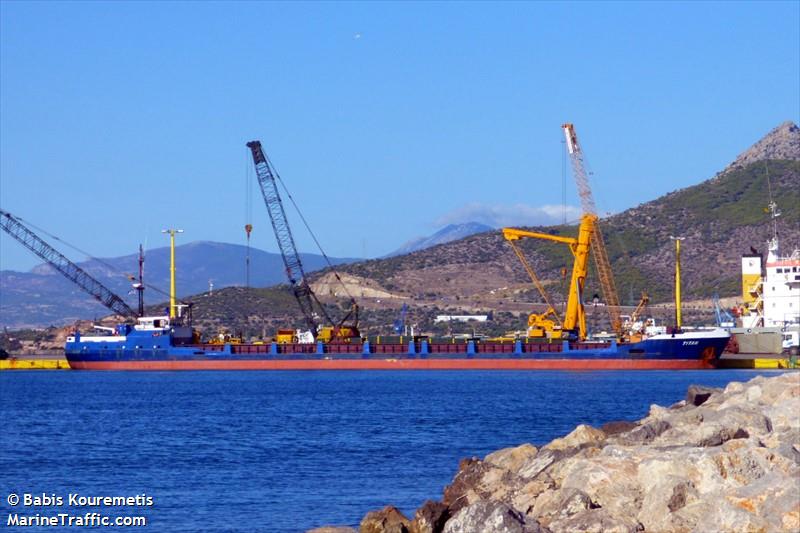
x,y
711,427
620,426
733,387
596,521
728,517
608,480
512,458
332,529
573,501
581,436
387,520
430,518
537,464
525,497
644,433
475,480
489,517
698,394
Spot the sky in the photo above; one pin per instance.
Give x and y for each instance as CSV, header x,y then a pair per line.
x,y
385,120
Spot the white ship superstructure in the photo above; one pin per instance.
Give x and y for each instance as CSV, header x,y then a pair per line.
x,y
771,293
781,288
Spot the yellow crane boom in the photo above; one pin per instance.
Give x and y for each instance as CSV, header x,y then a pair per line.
x,y
602,263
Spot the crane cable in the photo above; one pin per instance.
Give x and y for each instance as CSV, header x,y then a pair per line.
x,y
313,236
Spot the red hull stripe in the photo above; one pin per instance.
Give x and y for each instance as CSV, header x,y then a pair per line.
x,y
401,364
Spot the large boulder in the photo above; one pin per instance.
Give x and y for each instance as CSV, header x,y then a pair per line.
x,y
387,520
582,435
698,394
489,517
512,458
430,518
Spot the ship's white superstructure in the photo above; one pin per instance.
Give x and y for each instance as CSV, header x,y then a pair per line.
x,y
772,294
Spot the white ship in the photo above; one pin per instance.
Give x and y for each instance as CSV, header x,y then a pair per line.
x,y
770,317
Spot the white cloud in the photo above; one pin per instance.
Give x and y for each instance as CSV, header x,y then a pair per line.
x,y
498,215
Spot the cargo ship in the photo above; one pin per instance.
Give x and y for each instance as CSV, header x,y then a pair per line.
x,y
552,341
154,343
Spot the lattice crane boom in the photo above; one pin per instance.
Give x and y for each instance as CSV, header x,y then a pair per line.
x,y
598,247
267,175
70,270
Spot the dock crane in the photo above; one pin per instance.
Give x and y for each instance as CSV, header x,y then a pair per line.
x,y
589,237
598,246
14,227
574,317
305,297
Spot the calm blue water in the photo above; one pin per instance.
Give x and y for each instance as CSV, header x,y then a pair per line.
x,y
287,451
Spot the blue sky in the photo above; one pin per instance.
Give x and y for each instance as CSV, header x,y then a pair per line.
x,y
385,120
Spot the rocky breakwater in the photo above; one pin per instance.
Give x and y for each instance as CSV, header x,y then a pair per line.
x,y
720,460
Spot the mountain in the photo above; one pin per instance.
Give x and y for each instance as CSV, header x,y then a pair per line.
x,y
721,218
782,142
449,233
42,296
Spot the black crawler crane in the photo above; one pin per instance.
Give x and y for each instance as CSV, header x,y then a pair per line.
x,y
291,259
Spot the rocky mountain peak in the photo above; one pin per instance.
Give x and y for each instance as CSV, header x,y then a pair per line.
x,y
782,142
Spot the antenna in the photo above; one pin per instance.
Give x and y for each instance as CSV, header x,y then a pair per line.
x,y
774,213
140,286
772,206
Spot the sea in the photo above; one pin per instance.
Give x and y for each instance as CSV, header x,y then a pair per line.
x,y
286,451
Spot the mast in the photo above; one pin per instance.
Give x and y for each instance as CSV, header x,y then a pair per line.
x,y
172,306
140,285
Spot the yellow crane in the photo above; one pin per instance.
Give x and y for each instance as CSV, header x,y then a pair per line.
x,y
589,237
602,263
574,316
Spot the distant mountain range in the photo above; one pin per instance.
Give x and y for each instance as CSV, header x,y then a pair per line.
x,y
452,232
42,296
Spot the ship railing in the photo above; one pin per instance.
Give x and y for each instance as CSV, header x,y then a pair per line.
x,y
494,348
292,348
249,348
442,347
390,348
541,347
339,348
589,345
